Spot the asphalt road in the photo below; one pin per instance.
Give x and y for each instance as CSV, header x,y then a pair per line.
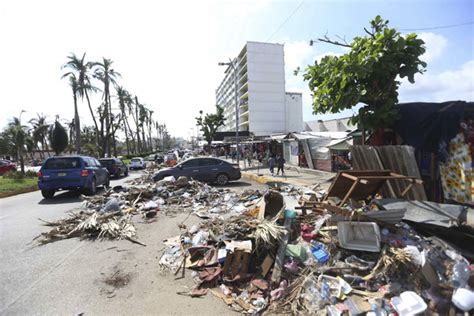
x,y
68,277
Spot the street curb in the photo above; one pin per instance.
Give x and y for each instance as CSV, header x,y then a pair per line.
x,y
265,179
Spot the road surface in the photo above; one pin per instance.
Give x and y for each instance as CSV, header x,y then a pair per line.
x,y
69,276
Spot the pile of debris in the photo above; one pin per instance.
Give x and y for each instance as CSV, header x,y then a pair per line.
x,y
110,215
296,250
292,251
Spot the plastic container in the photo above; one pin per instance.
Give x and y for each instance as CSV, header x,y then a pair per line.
x,y
461,274
408,303
319,252
463,299
363,236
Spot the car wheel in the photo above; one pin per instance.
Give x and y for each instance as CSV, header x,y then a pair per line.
x,y
126,172
93,188
48,194
107,182
222,179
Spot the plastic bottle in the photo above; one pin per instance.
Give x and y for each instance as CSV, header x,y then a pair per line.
x,y
461,274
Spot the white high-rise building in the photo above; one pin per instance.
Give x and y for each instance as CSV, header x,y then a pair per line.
x,y
264,107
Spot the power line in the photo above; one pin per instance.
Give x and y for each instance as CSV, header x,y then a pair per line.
x,y
287,19
438,27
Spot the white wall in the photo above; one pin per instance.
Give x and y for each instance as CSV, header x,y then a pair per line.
x,y
294,112
266,86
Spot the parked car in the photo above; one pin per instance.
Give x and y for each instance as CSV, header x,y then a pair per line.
x,y
156,158
137,163
202,169
71,173
6,165
115,166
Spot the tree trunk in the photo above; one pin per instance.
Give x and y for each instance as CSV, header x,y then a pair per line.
x,y
93,118
22,163
107,119
125,123
137,125
77,126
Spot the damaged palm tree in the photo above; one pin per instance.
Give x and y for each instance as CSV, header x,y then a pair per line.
x,y
90,225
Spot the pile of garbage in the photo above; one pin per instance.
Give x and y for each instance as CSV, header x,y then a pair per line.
x,y
111,215
290,249
282,256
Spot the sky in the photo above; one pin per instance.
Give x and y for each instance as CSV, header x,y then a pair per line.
x,y
168,51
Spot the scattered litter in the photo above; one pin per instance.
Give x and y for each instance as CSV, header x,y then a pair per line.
x,y
291,250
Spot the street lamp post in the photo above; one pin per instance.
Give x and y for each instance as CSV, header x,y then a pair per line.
x,y
233,64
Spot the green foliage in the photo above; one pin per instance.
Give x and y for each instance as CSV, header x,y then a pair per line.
x,y
367,74
58,137
17,175
210,123
9,187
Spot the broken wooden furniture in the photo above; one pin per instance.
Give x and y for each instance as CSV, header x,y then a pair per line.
x,y
359,184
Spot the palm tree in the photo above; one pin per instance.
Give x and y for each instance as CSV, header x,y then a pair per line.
x,y
77,124
124,99
40,132
79,73
18,134
143,116
149,124
103,71
135,116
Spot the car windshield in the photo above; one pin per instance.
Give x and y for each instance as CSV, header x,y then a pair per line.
x,y
106,162
135,160
62,163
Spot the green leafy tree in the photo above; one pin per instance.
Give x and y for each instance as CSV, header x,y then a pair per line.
x,y
58,137
368,74
80,83
124,99
104,72
210,123
17,137
40,129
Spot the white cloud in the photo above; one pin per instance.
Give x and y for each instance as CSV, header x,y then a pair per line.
x,y
445,86
297,54
435,45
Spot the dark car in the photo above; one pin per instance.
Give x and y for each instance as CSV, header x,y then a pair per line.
x,y
6,165
115,166
156,158
202,169
71,173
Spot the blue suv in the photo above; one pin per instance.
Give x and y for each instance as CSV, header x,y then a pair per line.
x,y
70,173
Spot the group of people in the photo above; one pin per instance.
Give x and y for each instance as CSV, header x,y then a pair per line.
x,y
279,162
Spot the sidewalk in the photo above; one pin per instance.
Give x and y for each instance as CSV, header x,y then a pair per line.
x,y
293,175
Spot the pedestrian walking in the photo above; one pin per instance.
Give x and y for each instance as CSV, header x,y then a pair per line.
x,y
280,165
271,164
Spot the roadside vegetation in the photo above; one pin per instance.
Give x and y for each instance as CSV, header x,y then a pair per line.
x,y
14,182
121,124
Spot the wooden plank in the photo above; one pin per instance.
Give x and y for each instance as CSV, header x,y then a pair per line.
x,y
280,258
401,160
387,186
307,153
341,184
348,195
344,174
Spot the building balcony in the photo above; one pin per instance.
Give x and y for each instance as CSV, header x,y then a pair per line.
x,y
244,88
242,70
243,78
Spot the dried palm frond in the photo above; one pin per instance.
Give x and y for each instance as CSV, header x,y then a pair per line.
x,y
389,261
90,224
268,234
